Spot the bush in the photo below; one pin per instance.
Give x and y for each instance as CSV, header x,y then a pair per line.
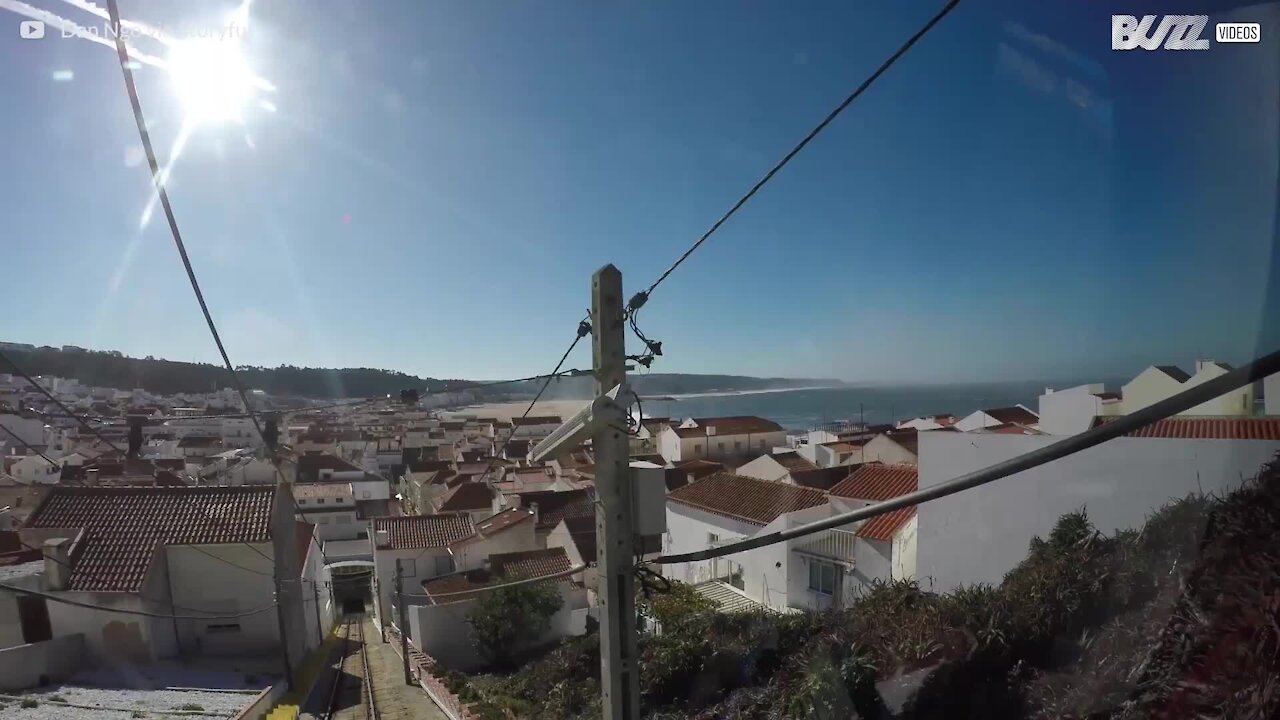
x,y
505,620
29,703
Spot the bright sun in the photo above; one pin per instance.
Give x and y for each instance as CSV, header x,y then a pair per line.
x,y
212,80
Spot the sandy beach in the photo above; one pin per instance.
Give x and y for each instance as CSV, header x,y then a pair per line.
x,y
509,410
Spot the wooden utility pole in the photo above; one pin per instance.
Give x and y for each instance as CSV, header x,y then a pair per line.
x,y
404,627
619,674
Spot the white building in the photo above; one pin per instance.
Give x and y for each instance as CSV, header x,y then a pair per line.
x,y
719,438
35,470
221,548
1015,415
420,546
980,534
1071,410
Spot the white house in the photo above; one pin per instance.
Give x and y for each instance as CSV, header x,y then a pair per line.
x,y
896,447
776,467
35,470
1017,415
1236,402
980,534
221,547
1151,386
331,508
719,438
1161,381
884,546
1071,410
929,422
420,545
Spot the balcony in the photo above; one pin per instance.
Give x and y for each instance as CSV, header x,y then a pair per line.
x,y
830,545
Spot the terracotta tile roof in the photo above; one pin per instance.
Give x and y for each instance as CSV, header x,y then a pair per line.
x,y
124,526
495,524
908,438
321,490
743,498
423,531
731,425
1015,414
582,530
465,497
884,527
877,482
1208,428
502,567
554,506
820,478
793,462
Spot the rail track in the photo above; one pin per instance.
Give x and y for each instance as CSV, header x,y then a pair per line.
x,y
352,697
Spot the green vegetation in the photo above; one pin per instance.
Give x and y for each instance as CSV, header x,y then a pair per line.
x,y
137,714
507,620
1178,619
29,703
191,707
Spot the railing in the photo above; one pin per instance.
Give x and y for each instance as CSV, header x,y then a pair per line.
x,y
835,545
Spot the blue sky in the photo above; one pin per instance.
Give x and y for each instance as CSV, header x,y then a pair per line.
x,y
1013,200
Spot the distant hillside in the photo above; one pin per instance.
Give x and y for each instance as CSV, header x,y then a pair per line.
x,y
167,377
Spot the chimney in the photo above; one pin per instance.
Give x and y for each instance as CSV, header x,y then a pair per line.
x,y
91,477
57,562
533,510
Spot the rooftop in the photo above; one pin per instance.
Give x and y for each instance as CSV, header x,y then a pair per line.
x,y
1015,414
755,501
730,425
502,566
423,531
124,526
877,482
1208,428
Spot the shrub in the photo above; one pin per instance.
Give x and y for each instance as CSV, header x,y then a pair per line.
x,y
29,703
505,620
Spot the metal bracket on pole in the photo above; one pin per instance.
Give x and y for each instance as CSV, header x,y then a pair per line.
x,y
615,541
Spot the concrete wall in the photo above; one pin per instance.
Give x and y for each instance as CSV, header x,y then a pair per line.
x,y
28,666
112,638
514,539
442,631
1271,391
764,468
201,581
1148,387
1236,402
882,448
419,565
1071,410
905,549
980,534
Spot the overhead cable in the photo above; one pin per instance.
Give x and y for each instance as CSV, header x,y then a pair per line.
x,y
125,611
641,297
1183,401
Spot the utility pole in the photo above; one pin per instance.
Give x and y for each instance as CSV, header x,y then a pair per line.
x,y
619,676
284,638
404,629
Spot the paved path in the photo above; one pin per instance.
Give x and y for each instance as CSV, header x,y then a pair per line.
x,y
396,701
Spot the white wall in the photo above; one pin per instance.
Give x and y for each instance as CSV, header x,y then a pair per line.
x,y
882,448
1071,410
27,666
905,548
764,468
420,565
1271,391
980,534
1236,402
204,582
1149,387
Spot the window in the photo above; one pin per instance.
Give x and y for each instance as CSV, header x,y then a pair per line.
x,y
697,448
721,444
822,578
222,628
319,501
366,494
712,539
761,443
737,445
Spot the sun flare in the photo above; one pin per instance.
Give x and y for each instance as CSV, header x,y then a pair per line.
x,y
212,80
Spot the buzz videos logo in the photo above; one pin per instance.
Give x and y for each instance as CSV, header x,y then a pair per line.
x,y
1176,32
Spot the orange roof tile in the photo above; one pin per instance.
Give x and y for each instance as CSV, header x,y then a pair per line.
x,y
502,567
884,527
877,482
423,531
743,498
124,526
1209,428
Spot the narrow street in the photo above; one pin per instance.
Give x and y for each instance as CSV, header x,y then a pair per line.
x,y
344,694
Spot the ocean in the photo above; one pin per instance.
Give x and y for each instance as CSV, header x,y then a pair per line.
x,y
809,408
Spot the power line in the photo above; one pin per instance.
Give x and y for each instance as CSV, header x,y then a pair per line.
x,y
640,298
83,423
1183,401
524,581
99,578
143,613
583,329
29,446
